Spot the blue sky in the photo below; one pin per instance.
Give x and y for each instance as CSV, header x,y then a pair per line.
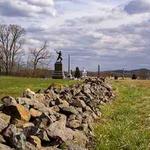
x,y
112,33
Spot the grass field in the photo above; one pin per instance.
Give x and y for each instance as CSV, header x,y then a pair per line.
x,y
125,124
14,86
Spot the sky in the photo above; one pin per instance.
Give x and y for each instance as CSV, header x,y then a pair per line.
x,y
112,33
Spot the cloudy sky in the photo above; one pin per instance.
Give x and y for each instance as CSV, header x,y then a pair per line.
x,y
112,33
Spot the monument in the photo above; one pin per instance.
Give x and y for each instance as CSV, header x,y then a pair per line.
x,y
69,67
84,73
58,68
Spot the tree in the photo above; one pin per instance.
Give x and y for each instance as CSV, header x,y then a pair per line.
x,y
11,41
134,77
77,73
116,77
39,55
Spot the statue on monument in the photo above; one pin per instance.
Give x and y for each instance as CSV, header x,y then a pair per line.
x,y
58,67
59,58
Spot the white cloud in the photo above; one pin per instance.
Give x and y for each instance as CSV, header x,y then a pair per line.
x,y
92,31
25,8
138,6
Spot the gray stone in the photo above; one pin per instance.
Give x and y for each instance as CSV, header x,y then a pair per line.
x,y
4,147
35,141
29,146
74,121
71,146
78,103
69,110
28,93
4,121
8,100
58,130
2,140
74,124
17,111
15,137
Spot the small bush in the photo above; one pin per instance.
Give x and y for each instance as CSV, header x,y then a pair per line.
x,y
116,77
77,73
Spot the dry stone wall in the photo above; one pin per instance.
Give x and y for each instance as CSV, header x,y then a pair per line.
x,y
52,119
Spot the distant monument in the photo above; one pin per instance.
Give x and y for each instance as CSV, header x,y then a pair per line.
x,y
69,67
84,73
58,72
98,73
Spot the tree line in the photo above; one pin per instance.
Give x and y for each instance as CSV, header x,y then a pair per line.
x,y
12,52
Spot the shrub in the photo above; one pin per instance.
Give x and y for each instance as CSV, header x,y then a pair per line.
x,y
116,77
77,73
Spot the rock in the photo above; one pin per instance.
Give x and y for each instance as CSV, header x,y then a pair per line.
x,y
74,124
63,104
35,141
30,130
50,148
40,98
2,140
9,131
42,121
35,113
44,137
28,94
79,109
85,128
87,117
27,102
8,100
19,141
17,111
4,147
58,131
55,108
87,108
78,103
4,121
73,146
68,110
74,121
52,103
80,138
79,141
51,95
14,137
28,124
75,90
18,123
30,146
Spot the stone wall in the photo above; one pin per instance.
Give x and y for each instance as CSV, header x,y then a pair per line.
x,y
53,118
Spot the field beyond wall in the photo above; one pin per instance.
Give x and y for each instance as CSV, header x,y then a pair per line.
x,y
14,86
125,124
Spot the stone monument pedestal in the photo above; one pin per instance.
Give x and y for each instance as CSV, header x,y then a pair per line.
x,y
58,72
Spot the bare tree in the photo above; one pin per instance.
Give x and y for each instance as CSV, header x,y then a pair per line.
x,y
11,40
39,55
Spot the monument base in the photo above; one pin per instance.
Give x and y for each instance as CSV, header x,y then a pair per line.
x,y
58,72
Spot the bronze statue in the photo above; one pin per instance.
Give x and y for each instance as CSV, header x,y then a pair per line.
x,y
59,58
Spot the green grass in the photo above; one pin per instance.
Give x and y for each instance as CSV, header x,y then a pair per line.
x,y
125,123
14,86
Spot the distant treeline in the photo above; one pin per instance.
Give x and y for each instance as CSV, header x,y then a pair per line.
x,y
140,73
